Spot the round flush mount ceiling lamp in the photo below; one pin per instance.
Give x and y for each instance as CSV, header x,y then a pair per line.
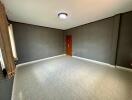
x,y
63,15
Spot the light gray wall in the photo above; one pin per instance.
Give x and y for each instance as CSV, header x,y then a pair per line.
x,y
124,57
35,42
97,40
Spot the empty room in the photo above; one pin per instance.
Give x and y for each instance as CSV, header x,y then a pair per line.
x,y
65,49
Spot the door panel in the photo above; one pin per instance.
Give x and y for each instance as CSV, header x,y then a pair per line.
x,y
69,45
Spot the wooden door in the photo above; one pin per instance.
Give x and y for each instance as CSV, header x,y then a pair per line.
x,y
69,45
5,43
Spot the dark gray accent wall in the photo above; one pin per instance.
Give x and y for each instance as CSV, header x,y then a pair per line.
x,y
124,57
35,42
97,40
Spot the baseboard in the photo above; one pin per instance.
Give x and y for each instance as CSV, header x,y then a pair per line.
x,y
94,61
98,62
124,68
35,61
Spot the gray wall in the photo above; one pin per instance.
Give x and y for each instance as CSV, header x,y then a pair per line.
x,y
124,57
35,42
97,40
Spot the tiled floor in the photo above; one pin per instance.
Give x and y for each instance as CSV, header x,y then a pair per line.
x,y
67,78
6,89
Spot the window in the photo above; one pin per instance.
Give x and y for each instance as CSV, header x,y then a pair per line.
x,y
1,60
13,47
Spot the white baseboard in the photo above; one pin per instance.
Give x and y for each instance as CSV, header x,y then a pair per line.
x,y
35,61
94,61
98,62
124,68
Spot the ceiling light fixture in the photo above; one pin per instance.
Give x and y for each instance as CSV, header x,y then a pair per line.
x,y
62,15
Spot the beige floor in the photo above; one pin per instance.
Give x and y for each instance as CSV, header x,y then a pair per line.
x,y
67,78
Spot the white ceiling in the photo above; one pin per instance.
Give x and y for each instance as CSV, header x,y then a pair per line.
x,y
44,12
